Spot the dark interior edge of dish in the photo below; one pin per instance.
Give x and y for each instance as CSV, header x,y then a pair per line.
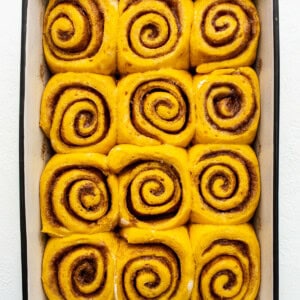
x,y
276,149
21,153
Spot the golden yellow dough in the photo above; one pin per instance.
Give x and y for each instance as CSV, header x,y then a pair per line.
x,y
225,183
153,34
227,106
156,107
80,267
78,194
78,112
154,265
227,262
224,34
154,185
81,35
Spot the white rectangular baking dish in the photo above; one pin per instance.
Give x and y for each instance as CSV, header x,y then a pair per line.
x,y
34,150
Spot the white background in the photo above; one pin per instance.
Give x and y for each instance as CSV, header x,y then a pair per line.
x,y
289,189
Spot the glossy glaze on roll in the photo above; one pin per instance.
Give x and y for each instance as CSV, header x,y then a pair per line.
x,y
81,35
156,107
154,185
227,106
225,183
154,265
154,34
78,112
80,267
227,262
224,34
78,195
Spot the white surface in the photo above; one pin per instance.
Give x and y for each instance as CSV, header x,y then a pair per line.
x,y
289,195
10,260
289,222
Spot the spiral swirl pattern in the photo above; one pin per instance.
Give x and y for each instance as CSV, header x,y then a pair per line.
x,y
228,267
153,269
226,184
225,34
79,267
153,33
156,108
161,103
228,106
75,35
76,195
153,189
225,275
145,280
78,113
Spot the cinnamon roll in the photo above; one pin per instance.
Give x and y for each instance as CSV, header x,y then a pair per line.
x,y
154,34
78,112
154,265
81,35
225,183
78,194
156,107
154,185
80,267
224,34
227,106
227,262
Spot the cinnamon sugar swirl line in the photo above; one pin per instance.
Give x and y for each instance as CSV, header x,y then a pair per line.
x,y
156,107
80,35
153,34
78,112
78,195
225,183
154,185
227,260
154,265
80,267
224,34
227,106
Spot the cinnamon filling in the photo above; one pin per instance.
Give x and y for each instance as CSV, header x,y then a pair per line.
x,y
76,52
242,248
147,88
89,117
154,28
97,175
164,259
169,213
233,103
249,29
83,269
252,178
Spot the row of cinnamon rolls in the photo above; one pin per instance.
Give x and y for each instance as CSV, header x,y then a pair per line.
x,y
102,36
85,112
198,262
155,187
